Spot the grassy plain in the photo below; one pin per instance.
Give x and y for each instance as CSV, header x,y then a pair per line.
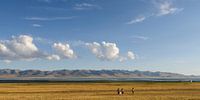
x,y
100,91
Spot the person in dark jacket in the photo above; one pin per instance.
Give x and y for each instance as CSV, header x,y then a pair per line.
x,y
118,91
133,90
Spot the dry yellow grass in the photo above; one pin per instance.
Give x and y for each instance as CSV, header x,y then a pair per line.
x,y
99,91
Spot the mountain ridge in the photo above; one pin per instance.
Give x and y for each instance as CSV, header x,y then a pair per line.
x,y
16,73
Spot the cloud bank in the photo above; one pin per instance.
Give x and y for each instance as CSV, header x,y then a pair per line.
x,y
23,47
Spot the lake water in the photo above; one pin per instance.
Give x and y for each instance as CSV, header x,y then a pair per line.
x,y
100,79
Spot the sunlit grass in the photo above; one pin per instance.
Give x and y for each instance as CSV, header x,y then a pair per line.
x,y
99,91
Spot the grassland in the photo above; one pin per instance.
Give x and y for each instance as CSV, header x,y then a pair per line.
x,y
100,91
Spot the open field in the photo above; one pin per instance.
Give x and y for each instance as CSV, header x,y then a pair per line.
x,y
100,91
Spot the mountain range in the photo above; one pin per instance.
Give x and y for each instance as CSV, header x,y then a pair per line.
x,y
14,73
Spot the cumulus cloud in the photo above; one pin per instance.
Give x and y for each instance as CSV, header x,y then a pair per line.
x,y
64,50
130,55
108,51
104,51
5,53
22,47
53,57
166,8
19,48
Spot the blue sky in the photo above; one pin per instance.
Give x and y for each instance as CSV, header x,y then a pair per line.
x,y
155,35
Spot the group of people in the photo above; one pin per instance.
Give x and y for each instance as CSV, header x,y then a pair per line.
x,y
121,91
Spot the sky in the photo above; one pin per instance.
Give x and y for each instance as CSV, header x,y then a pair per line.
x,y
153,35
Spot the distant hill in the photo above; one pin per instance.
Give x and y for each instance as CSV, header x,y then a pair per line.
x,y
12,73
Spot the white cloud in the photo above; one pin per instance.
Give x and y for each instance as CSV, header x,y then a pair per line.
x,y
5,53
47,1
166,8
122,59
109,51
140,37
130,55
86,6
50,8
48,18
51,1
163,7
137,20
104,51
53,57
64,50
37,25
22,47
19,48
